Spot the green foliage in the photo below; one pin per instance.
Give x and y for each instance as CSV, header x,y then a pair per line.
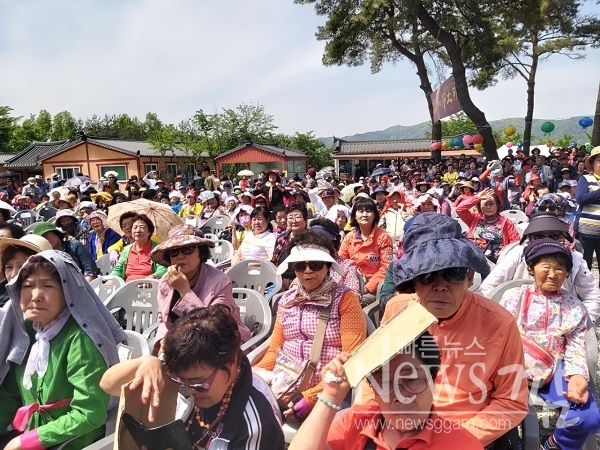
x,y
456,125
64,126
7,127
564,141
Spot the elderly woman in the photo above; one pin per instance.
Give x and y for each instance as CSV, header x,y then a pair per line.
x,y
58,340
553,323
76,250
437,269
101,237
273,190
296,220
368,245
340,215
588,213
426,203
401,415
13,254
240,225
393,215
134,261
189,282
261,242
315,298
225,400
488,228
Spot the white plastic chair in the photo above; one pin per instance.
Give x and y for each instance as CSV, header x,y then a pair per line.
x,y
222,253
476,282
192,220
505,251
26,218
104,265
257,275
138,344
254,309
217,224
463,226
497,293
138,299
105,286
212,237
516,215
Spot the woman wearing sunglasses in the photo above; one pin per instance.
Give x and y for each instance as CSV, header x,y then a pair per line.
x,y
189,282
296,324
224,399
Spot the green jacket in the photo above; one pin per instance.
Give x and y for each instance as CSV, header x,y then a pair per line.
x,y
119,269
75,368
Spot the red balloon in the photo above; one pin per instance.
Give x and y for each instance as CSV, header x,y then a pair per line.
x,y
478,139
467,139
436,145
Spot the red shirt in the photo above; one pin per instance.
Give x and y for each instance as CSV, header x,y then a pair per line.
x,y
139,264
352,431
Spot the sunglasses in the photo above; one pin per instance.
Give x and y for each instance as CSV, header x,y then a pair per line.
x,y
548,207
554,236
198,387
454,275
185,250
315,266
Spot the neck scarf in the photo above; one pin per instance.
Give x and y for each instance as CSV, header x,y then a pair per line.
x,y
38,357
321,296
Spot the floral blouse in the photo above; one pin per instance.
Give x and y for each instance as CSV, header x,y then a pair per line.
x,y
560,328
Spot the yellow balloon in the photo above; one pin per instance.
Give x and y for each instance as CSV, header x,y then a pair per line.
x,y
478,147
510,130
444,145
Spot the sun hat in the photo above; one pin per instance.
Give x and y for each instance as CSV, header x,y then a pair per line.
x,y
546,247
31,180
589,162
206,196
417,202
327,192
174,194
309,253
38,177
64,213
363,195
111,173
274,172
29,241
377,191
534,177
42,228
98,214
247,194
563,184
434,242
468,184
191,194
545,221
180,236
565,169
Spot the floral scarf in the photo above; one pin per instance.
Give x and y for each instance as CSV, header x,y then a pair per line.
x,y
322,296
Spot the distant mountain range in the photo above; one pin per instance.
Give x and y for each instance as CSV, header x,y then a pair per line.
x,y
562,127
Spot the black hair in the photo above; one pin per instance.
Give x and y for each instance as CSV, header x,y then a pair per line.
x,y
203,336
144,218
260,210
364,204
126,215
279,208
557,257
330,227
16,231
297,206
35,264
149,194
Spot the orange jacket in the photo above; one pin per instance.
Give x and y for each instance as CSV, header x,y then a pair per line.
x,y
482,381
372,256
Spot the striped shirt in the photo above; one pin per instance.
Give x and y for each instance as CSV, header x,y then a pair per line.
x,y
587,193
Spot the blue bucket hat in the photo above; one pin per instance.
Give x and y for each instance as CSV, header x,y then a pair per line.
x,y
434,242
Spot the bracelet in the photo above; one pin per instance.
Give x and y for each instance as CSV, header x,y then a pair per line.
x,y
328,403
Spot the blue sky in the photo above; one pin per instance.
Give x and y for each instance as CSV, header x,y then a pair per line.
x,y
175,57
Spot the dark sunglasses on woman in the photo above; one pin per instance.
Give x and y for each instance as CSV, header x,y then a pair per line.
x,y
548,207
453,275
198,387
315,266
175,252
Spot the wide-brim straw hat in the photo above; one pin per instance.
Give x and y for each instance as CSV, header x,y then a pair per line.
x,y
31,242
589,162
179,237
309,253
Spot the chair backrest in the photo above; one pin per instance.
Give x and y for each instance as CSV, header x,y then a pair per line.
x,y
505,250
222,252
370,325
463,226
104,265
138,299
497,293
212,237
47,212
476,282
105,286
257,275
192,220
26,218
217,224
138,346
256,315
516,215
373,312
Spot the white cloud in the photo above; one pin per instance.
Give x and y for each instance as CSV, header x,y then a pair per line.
x,y
173,58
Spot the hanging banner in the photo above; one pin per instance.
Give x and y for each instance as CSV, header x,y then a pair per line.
x,y
445,100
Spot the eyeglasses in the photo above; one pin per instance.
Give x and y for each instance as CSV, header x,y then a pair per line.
x,y
315,266
198,387
548,207
555,236
453,274
175,252
410,386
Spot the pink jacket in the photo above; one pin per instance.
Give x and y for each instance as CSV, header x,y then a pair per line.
x,y
212,287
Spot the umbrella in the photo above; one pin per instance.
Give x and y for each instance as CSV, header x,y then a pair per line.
x,y
245,173
161,215
381,171
61,190
8,174
76,181
348,191
327,169
7,206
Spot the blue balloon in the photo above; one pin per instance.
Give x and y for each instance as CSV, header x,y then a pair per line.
x,y
458,142
585,122
519,144
573,144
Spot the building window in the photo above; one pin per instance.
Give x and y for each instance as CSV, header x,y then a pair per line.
x,y
295,167
257,168
190,170
67,172
151,167
172,169
121,170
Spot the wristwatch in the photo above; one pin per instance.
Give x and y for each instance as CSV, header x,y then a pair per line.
x,y
161,358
